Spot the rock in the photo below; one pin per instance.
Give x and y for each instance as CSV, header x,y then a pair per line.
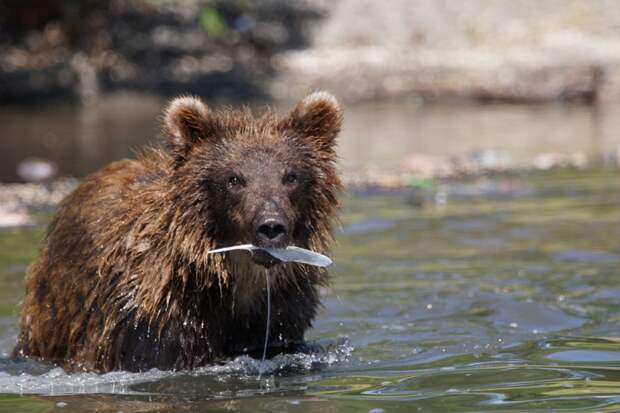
x,y
423,165
36,170
35,195
13,215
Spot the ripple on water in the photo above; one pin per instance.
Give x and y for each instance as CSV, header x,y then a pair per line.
x,y
529,315
368,226
586,356
469,224
539,374
586,256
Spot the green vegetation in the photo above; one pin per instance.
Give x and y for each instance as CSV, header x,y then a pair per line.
x,y
212,22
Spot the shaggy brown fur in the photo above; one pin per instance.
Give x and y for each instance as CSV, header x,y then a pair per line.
x,y
124,280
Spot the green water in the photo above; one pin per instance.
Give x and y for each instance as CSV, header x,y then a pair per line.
x,y
495,295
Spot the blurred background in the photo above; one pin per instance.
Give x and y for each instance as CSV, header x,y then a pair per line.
x,y
431,87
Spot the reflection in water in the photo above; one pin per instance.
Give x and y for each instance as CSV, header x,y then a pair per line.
x,y
78,139
375,136
382,135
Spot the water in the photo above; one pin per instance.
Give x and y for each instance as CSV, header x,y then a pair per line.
x,y
376,136
493,299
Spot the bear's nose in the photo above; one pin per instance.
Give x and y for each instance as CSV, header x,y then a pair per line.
x,y
272,232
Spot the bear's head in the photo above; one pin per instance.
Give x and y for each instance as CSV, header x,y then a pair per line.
x,y
267,181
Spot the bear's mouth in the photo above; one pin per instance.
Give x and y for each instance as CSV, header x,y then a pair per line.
x,y
264,259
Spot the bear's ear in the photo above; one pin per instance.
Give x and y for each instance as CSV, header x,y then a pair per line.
x,y
317,117
186,122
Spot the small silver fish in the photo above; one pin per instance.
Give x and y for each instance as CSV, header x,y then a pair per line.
x,y
288,254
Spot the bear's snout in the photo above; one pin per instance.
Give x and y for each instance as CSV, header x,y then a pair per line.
x,y
271,231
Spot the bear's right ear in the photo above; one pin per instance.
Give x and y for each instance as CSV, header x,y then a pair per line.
x,y
186,122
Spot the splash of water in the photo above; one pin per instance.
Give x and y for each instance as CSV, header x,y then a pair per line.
x,y
20,379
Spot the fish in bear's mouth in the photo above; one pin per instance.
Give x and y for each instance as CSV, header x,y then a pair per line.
x,y
267,257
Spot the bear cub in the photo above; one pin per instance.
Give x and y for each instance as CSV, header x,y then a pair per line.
x,y
124,280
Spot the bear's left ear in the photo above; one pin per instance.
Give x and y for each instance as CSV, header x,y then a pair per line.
x,y
186,122
317,117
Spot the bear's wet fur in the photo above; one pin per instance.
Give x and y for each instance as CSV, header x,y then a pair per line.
x,y
124,281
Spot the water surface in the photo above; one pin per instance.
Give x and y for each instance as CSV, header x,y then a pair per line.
x,y
490,301
376,137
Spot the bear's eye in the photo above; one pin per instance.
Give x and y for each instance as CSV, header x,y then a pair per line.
x,y
233,182
290,178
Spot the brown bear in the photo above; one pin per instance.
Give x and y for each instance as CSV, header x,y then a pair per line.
x,y
124,280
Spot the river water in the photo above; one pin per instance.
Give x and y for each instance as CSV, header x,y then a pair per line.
x,y
377,137
494,295
487,294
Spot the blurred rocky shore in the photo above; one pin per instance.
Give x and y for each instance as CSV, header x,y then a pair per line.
x,y
507,51
515,51
18,202
81,49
